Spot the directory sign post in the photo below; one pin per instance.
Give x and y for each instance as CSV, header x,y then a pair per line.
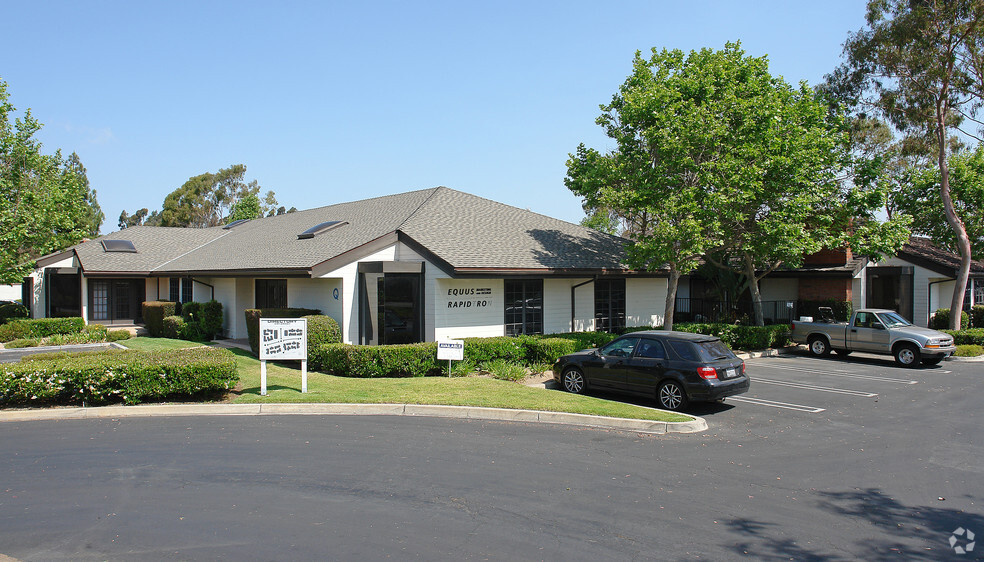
x,y
283,339
450,350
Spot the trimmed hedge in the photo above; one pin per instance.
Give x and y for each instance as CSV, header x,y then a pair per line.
x,y
972,336
585,340
321,330
12,310
547,350
482,350
116,376
253,316
742,337
374,361
940,320
40,328
154,313
842,309
977,316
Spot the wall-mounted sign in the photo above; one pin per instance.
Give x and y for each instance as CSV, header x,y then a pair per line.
x,y
470,297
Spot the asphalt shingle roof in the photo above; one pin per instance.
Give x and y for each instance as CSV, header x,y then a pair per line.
x,y
465,231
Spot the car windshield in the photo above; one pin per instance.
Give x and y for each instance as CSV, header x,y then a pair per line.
x,y
713,350
892,320
621,347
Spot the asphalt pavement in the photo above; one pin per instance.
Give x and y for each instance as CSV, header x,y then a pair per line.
x,y
824,459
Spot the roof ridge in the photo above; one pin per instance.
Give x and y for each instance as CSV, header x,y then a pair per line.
x,y
434,191
195,249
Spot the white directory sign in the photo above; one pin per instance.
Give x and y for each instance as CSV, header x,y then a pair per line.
x,y
451,350
283,339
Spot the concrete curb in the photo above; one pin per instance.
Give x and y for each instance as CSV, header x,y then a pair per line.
x,y
462,412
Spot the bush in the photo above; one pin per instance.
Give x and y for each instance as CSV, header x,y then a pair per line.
x,y
973,336
365,361
321,330
842,309
174,326
154,313
547,350
127,376
742,337
12,310
21,343
504,370
40,328
482,350
253,316
585,340
211,319
940,320
117,335
977,316
969,351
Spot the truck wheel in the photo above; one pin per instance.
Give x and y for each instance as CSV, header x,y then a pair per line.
x,y
907,355
818,346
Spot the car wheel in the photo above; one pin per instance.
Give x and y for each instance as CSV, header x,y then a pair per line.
x,y
907,355
842,352
818,346
932,360
671,396
573,381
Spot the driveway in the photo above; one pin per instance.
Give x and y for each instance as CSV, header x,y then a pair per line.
x,y
822,460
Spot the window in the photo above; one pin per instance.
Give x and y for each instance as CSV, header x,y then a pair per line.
x,y
683,349
187,292
174,290
609,305
524,307
651,349
271,293
621,347
979,291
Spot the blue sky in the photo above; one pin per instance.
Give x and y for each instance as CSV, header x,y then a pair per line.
x,y
327,102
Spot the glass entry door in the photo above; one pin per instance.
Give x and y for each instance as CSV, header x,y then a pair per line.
x,y
391,304
116,300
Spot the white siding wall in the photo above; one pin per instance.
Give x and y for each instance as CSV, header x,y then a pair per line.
x,y
465,308
645,301
348,276
922,299
10,292
318,294
225,293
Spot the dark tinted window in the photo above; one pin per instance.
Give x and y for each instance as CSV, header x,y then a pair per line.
x,y
713,350
683,349
651,349
271,293
524,307
609,305
621,347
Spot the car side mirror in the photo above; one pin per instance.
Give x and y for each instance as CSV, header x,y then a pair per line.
x,y
878,325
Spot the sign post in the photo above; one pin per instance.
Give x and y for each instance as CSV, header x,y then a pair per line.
x,y
283,339
451,350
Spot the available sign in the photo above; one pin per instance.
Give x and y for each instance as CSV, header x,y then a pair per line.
x,y
283,339
451,350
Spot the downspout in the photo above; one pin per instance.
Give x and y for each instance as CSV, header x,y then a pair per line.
x,y
592,280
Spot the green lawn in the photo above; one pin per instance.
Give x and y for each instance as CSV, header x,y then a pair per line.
x,y
284,386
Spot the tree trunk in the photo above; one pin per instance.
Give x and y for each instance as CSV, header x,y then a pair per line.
x,y
753,287
671,292
957,225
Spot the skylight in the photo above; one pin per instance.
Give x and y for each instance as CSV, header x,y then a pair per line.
x,y
320,229
118,246
234,224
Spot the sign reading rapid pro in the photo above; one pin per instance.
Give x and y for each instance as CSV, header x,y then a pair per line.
x,y
469,297
283,339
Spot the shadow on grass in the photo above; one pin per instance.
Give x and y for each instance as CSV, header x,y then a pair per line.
x,y
897,531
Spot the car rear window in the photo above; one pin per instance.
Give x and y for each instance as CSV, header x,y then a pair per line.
x,y
713,350
684,350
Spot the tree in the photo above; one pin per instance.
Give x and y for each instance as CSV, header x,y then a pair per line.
x,y
247,208
716,157
917,63
919,196
46,203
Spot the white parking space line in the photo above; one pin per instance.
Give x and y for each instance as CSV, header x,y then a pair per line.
x,y
847,374
774,404
806,386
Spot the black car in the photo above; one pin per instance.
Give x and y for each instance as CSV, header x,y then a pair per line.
x,y
673,367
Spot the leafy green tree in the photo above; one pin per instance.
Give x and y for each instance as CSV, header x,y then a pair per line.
x,y
46,203
247,208
716,157
919,196
919,64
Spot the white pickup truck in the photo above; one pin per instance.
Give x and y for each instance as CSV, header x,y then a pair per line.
x,y
875,331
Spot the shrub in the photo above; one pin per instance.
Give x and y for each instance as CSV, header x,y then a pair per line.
x,y
969,351
211,319
842,309
12,310
504,370
977,316
40,328
482,350
321,330
117,335
547,350
174,326
742,337
940,320
364,361
128,376
253,316
154,313
585,340
21,343
973,336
